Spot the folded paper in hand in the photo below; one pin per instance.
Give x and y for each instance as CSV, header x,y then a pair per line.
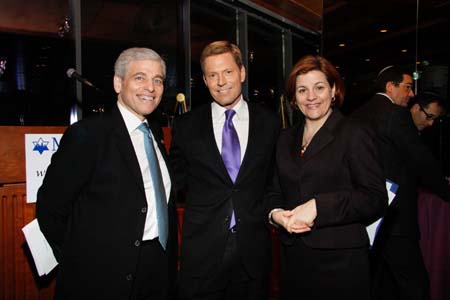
x,y
372,229
41,251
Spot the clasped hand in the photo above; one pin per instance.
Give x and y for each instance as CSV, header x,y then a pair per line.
x,y
298,220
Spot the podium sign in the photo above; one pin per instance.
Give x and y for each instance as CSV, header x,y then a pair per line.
x,y
39,149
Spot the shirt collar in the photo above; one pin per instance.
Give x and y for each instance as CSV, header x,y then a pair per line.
x,y
384,94
131,121
218,111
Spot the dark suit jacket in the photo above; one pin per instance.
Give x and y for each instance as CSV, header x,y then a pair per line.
x,y
198,166
341,170
92,208
406,161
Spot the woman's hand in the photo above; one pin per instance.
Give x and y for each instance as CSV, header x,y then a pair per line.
x,y
281,217
302,217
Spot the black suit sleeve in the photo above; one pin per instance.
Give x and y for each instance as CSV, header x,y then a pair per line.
x,y
66,176
177,159
418,156
273,195
367,200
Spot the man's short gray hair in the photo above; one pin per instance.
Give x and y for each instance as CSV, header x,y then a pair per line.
x,y
133,54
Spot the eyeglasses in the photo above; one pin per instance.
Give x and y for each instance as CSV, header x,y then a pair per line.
x,y
429,117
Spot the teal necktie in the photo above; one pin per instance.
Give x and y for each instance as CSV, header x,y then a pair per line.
x,y
158,186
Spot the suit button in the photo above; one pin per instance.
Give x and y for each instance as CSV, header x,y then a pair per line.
x,y
129,277
227,218
144,210
137,243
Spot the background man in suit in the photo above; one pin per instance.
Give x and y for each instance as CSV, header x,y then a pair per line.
x,y
103,205
399,271
223,154
427,107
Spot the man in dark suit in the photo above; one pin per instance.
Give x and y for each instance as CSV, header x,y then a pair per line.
x,y
223,154
105,205
398,268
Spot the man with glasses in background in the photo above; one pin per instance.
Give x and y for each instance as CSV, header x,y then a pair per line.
x,y
426,108
398,270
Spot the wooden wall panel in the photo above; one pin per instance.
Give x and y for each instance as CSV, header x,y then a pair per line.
x,y
19,279
18,275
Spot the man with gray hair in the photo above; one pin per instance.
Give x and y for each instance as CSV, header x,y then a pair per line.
x,y
105,205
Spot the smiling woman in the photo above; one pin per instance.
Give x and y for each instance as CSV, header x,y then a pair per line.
x,y
330,184
314,96
314,87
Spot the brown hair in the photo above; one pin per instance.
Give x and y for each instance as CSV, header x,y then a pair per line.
x,y
315,62
221,47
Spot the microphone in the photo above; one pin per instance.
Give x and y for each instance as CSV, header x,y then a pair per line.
x,y
72,73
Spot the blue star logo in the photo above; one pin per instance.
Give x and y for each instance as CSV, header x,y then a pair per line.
x,y
40,146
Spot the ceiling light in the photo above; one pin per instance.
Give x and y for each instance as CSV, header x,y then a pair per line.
x,y
383,30
367,59
341,45
404,50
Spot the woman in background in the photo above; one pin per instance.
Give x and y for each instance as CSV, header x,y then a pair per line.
x,y
330,185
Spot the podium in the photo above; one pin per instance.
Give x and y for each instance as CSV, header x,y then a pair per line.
x,y
18,275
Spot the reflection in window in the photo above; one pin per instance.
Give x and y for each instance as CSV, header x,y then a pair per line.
x,y
265,63
302,46
34,89
108,28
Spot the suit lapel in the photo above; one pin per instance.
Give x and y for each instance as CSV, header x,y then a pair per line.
x,y
157,134
125,146
254,136
295,143
209,142
323,137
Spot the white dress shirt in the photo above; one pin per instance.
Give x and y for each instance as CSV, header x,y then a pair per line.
x,y
240,123
132,123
